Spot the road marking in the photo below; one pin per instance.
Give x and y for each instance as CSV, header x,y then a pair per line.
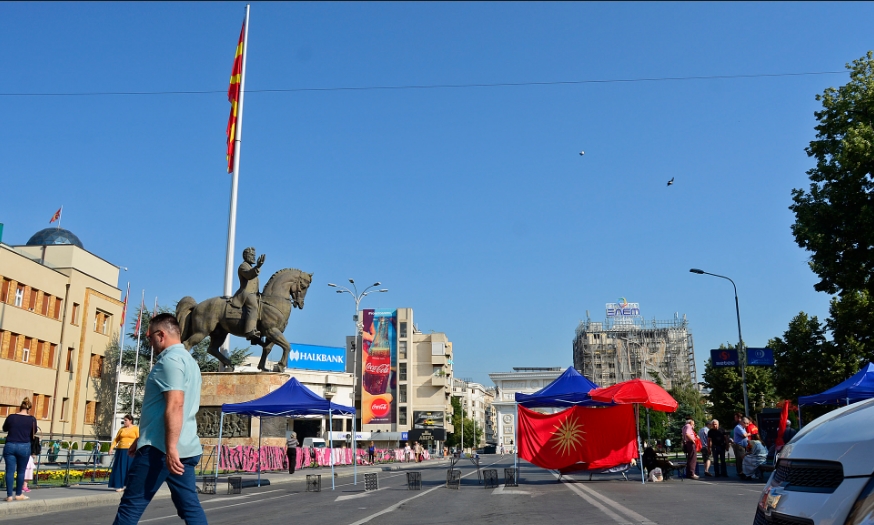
x,y
351,496
592,497
398,504
223,507
501,490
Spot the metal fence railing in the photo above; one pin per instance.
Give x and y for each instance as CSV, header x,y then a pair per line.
x,y
66,463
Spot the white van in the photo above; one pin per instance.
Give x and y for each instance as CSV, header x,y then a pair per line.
x,y
314,443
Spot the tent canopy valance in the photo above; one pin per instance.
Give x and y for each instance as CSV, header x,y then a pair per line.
x,y
290,400
569,389
856,388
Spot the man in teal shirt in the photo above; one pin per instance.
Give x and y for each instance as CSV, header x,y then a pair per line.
x,y
168,448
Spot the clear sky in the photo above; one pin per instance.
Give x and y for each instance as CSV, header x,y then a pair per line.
x,y
471,205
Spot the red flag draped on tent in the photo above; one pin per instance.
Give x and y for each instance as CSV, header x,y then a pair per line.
x,y
589,438
234,98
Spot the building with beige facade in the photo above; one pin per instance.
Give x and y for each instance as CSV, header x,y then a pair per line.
x,y
477,404
60,308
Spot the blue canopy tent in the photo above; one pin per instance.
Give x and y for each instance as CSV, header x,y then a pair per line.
x,y
856,388
289,400
568,389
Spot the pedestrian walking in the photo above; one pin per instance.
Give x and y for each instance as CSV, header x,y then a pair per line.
x,y
705,448
407,451
291,445
20,430
718,444
168,448
121,461
371,453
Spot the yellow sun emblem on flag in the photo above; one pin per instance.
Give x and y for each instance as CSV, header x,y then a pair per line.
x,y
568,435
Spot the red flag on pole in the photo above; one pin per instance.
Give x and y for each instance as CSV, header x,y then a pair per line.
x,y
586,438
57,215
784,415
124,307
234,98
140,317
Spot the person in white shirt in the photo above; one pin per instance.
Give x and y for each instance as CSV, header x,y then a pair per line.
x,y
705,449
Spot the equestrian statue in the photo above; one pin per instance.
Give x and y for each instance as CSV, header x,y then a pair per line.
x,y
259,317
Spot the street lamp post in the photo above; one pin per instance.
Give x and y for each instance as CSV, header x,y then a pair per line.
x,y
742,354
359,326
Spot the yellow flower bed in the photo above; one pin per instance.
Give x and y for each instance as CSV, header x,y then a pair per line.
x,y
58,475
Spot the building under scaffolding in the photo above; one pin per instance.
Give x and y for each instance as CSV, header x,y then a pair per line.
x,y
626,346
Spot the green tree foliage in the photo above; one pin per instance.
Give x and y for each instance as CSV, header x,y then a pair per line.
x,y
834,219
851,323
690,406
458,419
796,355
726,390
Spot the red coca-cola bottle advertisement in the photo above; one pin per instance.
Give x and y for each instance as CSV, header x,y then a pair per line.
x,y
378,364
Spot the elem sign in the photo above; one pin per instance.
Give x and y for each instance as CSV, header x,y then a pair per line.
x,y
760,357
723,358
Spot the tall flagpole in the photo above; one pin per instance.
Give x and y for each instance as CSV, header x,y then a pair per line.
x,y
120,355
232,216
133,396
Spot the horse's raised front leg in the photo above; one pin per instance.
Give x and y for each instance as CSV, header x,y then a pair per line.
x,y
275,336
216,338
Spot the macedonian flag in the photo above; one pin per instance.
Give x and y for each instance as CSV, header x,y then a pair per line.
x,y
584,438
234,98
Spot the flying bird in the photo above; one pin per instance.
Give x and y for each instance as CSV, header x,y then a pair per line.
x,y
671,182
582,153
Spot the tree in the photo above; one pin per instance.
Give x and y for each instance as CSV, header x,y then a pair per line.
x,y
851,323
459,422
690,406
796,354
834,219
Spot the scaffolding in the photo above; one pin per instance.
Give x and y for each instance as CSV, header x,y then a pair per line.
x,y
621,349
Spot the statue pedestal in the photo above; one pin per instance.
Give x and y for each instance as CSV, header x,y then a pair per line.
x,y
237,387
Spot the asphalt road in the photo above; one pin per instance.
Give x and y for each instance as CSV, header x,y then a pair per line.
x,y
539,498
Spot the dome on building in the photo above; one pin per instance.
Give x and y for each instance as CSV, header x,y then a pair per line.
x,y
54,236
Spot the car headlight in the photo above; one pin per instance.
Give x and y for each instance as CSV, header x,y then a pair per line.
x,y
862,512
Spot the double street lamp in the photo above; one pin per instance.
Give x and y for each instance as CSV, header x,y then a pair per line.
x,y
742,354
359,326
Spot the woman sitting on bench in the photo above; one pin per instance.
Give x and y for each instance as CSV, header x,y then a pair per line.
x,y
756,455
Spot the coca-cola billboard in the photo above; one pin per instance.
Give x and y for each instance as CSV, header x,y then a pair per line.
x,y
379,358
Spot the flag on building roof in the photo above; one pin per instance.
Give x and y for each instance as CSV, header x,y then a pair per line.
x,y
234,98
57,215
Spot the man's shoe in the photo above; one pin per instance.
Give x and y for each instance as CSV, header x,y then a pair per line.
x,y
695,477
709,475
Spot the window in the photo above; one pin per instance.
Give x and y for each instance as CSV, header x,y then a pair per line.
x,y
19,295
402,371
65,406
96,368
402,416
37,358
402,330
97,320
56,313
92,408
31,304
41,405
4,290
25,351
53,349
438,371
12,348
402,393
105,328
402,349
75,314
69,367
46,303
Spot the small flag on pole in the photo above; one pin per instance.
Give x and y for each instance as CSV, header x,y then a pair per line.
x,y
234,98
140,317
57,215
124,307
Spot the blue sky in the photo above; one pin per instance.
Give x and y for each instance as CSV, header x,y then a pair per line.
x,y
471,205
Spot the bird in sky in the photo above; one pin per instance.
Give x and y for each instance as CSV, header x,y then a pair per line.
x,y
671,182
582,153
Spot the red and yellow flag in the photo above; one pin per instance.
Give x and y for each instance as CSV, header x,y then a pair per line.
x,y
234,98
57,215
578,438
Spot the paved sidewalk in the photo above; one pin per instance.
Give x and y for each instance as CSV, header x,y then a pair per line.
x,y
53,499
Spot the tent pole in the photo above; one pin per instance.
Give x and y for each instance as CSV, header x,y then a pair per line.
x,y
354,448
515,443
639,451
331,450
218,448
260,421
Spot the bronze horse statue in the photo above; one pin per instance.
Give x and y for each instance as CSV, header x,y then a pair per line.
x,y
216,318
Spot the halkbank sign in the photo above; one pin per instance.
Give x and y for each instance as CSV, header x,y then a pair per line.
x,y
312,357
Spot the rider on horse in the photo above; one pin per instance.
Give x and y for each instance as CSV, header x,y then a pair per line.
x,y
247,295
